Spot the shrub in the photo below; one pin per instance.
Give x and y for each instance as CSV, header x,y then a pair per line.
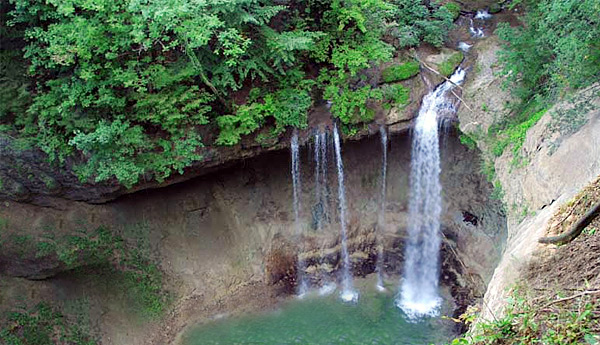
x,y
396,94
558,47
453,8
350,106
527,322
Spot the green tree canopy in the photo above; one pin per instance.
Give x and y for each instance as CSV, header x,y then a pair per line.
x,y
127,85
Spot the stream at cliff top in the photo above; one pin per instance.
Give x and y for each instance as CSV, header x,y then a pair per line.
x,y
314,320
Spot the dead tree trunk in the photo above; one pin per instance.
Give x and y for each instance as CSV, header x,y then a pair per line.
x,y
575,229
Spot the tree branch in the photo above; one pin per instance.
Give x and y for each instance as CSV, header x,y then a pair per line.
x,y
445,78
587,292
576,228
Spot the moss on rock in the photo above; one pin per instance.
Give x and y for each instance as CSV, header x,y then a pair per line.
x,y
448,66
400,72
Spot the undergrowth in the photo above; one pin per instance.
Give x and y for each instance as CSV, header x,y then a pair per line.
x,y
512,132
128,256
43,325
532,319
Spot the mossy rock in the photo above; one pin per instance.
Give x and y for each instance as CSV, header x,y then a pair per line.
x,y
448,66
400,72
495,8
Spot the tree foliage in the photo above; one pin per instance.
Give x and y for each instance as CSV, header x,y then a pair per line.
x,y
558,48
127,85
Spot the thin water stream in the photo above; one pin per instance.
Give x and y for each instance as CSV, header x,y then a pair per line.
x,y
295,148
348,293
381,218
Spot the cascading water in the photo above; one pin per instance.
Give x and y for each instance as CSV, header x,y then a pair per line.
x,y
483,14
319,212
419,294
348,292
322,209
323,175
476,32
464,46
381,220
301,276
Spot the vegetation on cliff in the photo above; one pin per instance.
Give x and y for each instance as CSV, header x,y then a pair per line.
x,y
554,52
556,303
44,324
557,300
137,87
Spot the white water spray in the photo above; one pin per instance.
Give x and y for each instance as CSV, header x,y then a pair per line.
x,y
483,15
419,295
476,32
348,293
464,46
301,276
381,220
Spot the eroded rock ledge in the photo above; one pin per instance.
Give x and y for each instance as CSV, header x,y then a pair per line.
x,y
27,176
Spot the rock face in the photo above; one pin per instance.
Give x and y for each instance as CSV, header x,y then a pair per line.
x,y
560,155
474,5
553,176
222,232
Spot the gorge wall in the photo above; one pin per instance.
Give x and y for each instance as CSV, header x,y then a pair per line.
x,y
560,155
226,241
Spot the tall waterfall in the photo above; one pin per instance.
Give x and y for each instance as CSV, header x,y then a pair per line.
x,y
419,295
381,220
348,292
301,276
320,178
322,208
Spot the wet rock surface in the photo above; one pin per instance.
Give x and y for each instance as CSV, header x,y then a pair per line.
x,y
230,232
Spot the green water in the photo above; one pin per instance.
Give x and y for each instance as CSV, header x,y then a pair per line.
x,y
324,321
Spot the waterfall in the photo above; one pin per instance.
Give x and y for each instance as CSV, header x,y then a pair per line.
x,y
483,14
348,293
300,269
323,175
419,294
318,153
464,46
381,220
476,32
322,207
